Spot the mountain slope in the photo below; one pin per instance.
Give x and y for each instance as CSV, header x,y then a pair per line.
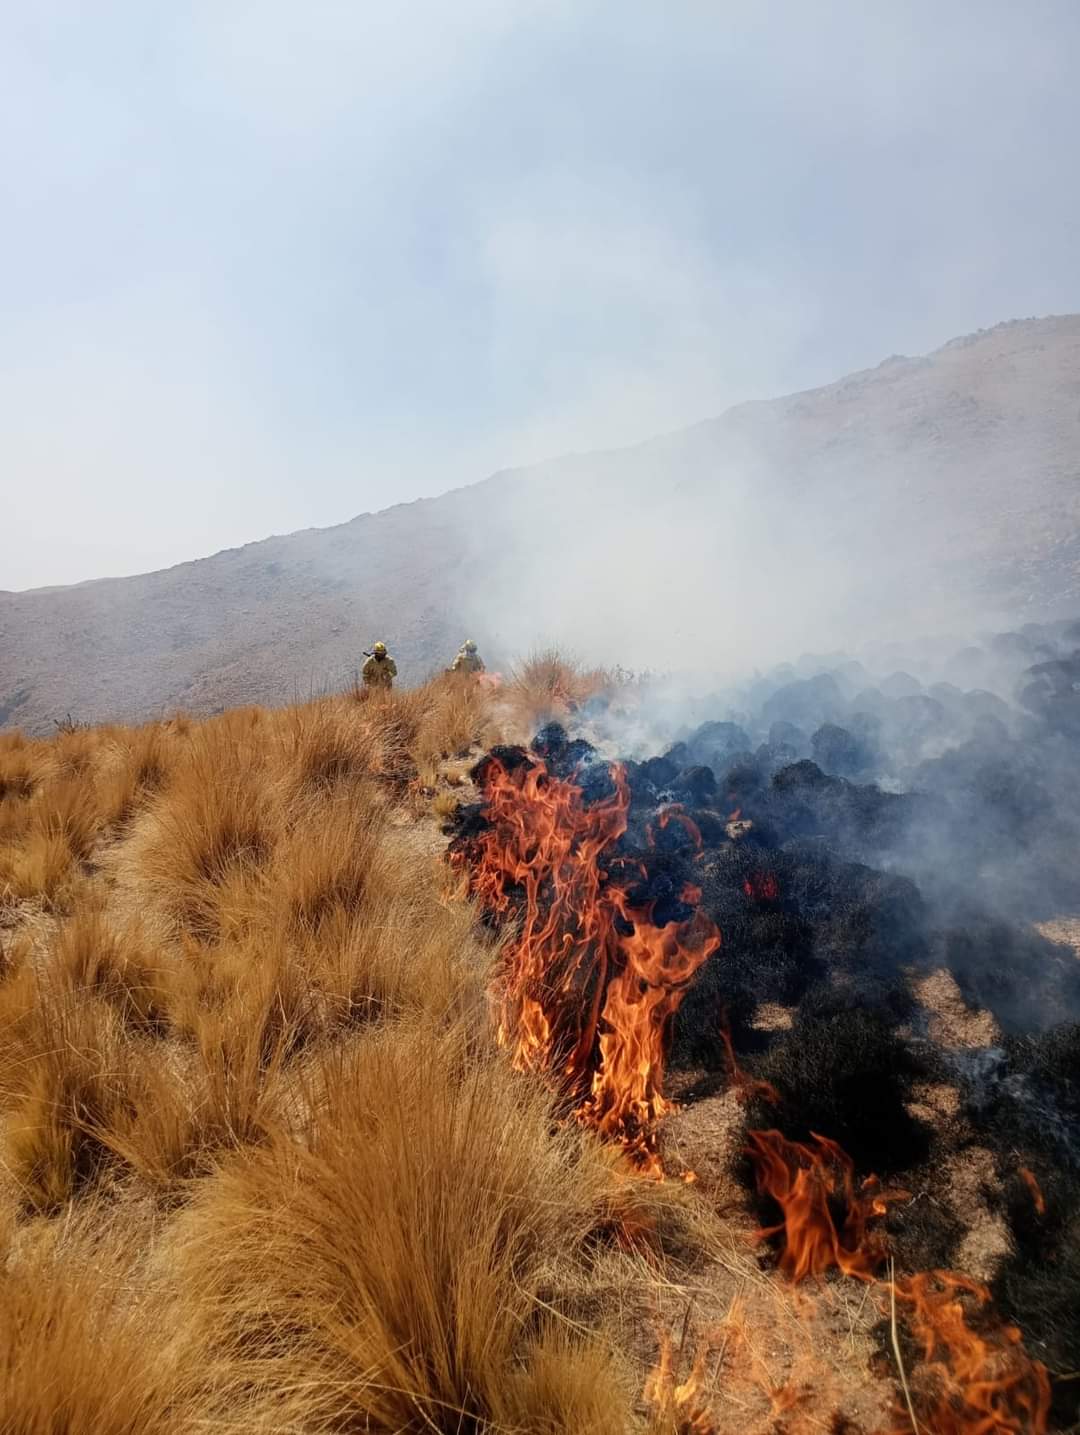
x,y
943,489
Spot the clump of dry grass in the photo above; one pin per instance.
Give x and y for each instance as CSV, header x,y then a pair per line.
x,y
64,1080
225,1094
76,1354
56,829
548,686
405,1288
132,765
458,716
330,743
22,765
445,805
214,827
115,961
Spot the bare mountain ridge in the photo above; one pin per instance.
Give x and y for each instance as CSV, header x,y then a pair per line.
x,y
954,477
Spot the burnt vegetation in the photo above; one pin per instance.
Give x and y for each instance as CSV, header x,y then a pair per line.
x,y
849,836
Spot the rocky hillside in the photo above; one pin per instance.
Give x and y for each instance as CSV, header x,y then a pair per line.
x,y
943,488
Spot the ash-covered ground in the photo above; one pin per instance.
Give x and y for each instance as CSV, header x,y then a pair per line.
x,y
890,848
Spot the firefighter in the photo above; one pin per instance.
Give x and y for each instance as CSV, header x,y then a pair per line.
x,y
468,659
380,670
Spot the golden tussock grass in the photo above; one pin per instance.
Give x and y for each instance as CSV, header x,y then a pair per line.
x,y
548,686
65,1081
261,1166
74,1347
422,1295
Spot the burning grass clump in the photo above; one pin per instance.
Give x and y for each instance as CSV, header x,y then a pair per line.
x,y
1025,1099
1039,1287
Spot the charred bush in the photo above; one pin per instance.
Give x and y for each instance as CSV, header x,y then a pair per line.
x,y
845,1074
1025,980
787,734
807,702
840,752
512,759
713,743
695,785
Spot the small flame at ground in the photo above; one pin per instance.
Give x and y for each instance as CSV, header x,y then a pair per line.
x,y
981,1384
679,1404
974,1383
826,1219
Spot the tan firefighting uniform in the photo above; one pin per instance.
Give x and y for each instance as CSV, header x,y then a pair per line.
x,y
379,672
467,662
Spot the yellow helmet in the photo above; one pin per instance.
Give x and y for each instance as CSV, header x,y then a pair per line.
x,y
379,650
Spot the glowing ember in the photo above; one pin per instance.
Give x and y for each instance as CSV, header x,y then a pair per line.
x,y
1036,1190
589,984
763,886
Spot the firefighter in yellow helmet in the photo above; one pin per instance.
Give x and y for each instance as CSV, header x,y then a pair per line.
x,y
468,659
380,670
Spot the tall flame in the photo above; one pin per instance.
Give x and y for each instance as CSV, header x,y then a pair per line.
x,y
589,983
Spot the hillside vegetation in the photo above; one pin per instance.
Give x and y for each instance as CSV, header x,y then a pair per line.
x,y
935,492
261,1167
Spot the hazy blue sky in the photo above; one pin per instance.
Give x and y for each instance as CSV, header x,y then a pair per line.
x,y
268,265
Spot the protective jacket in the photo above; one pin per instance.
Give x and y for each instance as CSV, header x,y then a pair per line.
x,y
467,662
379,672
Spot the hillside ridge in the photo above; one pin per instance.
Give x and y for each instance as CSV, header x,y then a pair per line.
x,y
972,507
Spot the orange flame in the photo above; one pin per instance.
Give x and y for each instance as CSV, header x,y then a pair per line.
x,y
589,985
976,1384
812,1185
983,1384
746,1087
680,1406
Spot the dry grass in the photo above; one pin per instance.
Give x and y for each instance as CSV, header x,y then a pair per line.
x,y
74,1353
413,1295
547,687
261,1168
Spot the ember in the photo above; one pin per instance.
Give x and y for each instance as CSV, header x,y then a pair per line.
x,y
763,886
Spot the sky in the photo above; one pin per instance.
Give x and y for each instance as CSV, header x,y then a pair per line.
x,y
268,266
